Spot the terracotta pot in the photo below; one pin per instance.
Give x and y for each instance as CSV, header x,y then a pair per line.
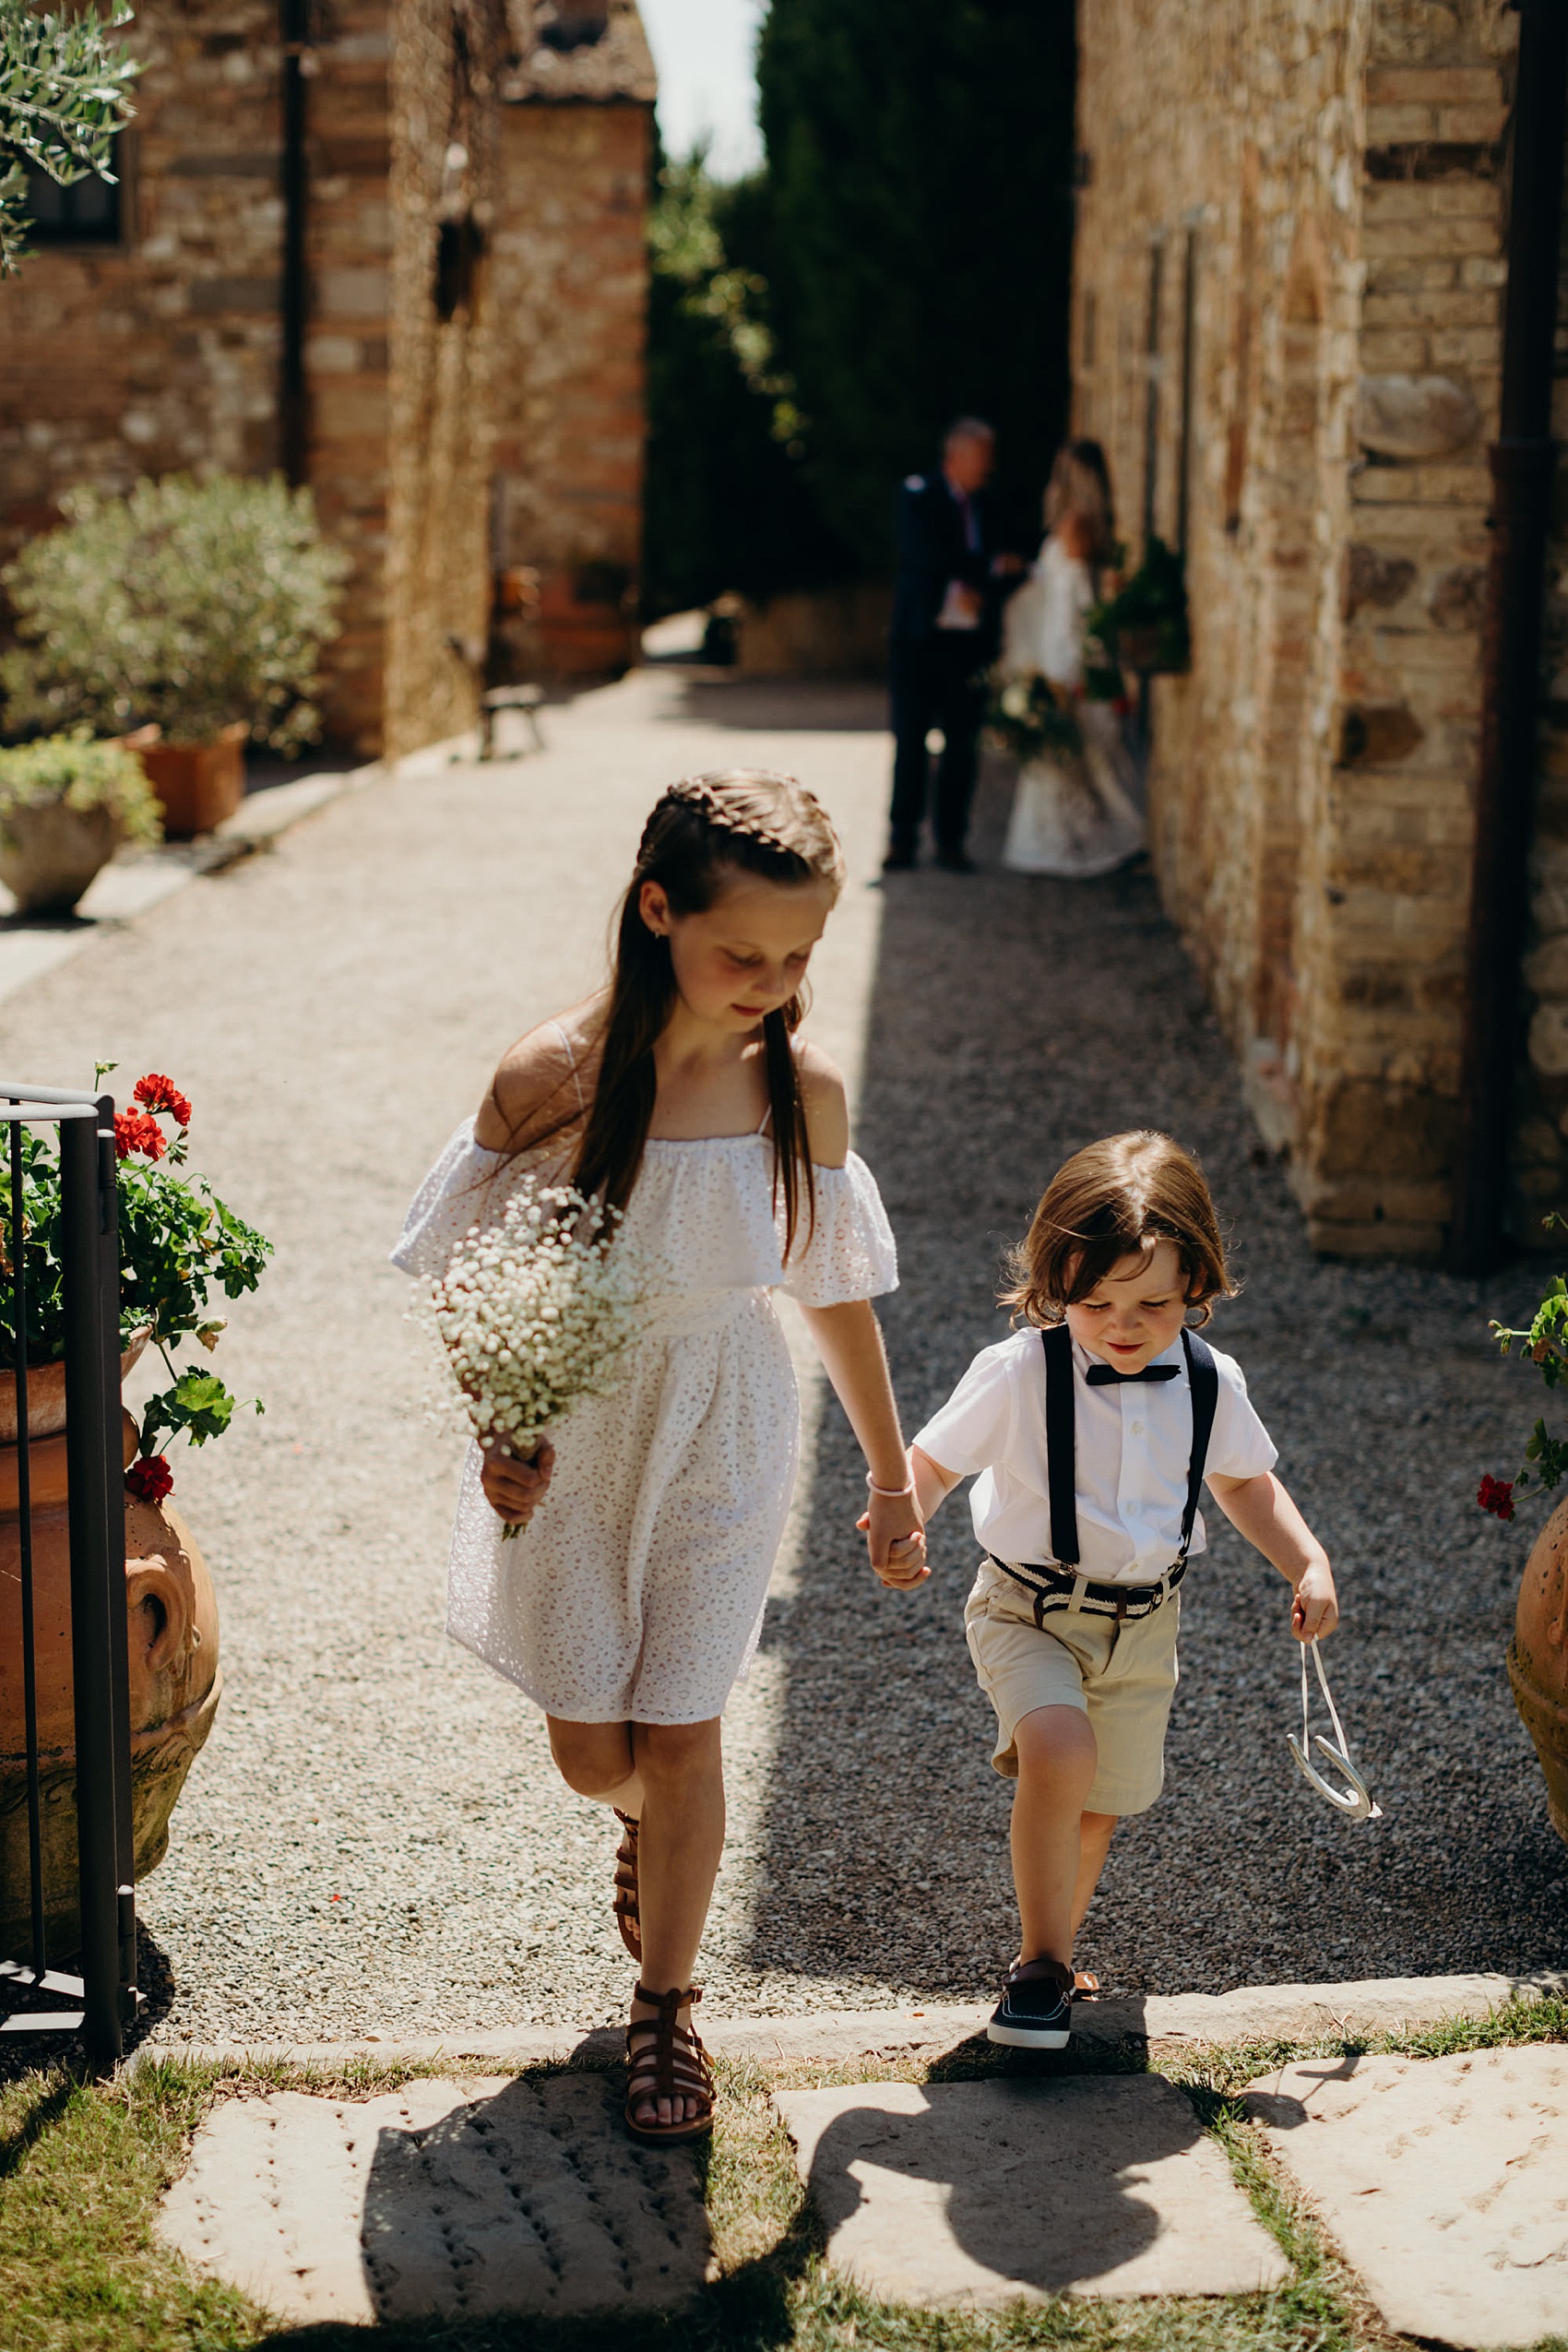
x,y
199,784
172,1629
46,1394
1538,1660
582,639
50,853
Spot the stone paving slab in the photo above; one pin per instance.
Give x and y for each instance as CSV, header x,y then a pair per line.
x,y
1444,2181
442,2198
977,2193
1296,2012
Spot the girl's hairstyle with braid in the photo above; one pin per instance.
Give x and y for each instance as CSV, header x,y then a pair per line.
x,y
706,831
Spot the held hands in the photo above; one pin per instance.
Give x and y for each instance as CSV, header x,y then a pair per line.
x,y
896,1541
513,1488
1314,1612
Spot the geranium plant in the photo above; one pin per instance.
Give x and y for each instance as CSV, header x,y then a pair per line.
x,y
188,604
179,1245
1545,1342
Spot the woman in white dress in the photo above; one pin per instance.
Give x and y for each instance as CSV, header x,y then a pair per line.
x,y
1074,815
682,1096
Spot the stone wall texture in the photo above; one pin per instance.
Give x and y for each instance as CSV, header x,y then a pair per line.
x,y
1286,332
571,277
465,233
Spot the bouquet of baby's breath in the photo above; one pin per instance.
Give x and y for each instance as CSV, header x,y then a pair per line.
x,y
537,1310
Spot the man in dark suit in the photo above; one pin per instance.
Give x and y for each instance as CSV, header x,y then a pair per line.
x,y
947,603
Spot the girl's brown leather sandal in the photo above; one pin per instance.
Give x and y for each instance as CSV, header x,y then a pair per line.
x,y
665,2060
627,1916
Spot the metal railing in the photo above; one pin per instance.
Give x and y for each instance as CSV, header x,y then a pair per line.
x,y
97,2003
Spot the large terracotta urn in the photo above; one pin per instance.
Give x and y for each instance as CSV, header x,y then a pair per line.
x,y
171,1632
1538,1660
197,784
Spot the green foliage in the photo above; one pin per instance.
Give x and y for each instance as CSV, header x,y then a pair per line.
x,y
727,506
919,174
63,96
83,775
179,1245
188,603
1545,1342
1153,601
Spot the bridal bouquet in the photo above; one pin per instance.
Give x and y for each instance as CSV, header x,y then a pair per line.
x,y
1029,715
538,1310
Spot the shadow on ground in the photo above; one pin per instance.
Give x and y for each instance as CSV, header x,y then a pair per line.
x,y
793,706
1014,1019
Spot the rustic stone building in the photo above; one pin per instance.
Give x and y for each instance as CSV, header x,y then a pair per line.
x,y
394,247
1288,333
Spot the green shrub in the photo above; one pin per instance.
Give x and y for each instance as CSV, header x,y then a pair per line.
x,y
190,604
63,96
82,775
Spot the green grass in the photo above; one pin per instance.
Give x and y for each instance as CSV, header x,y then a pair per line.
x,y
82,2166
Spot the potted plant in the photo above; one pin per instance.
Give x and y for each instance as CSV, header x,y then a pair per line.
x,y
1143,626
199,608
1538,1657
179,1247
66,804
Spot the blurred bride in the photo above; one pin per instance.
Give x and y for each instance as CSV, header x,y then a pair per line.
x,y
1074,812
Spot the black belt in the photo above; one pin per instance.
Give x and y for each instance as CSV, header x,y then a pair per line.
x,y
1054,1589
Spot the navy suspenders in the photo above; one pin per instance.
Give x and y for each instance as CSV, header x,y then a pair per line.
x,y
1060,1435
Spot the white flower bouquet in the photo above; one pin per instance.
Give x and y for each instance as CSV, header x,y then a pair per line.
x,y
537,1310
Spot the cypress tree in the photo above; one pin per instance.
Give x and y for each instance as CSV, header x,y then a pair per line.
x,y
919,158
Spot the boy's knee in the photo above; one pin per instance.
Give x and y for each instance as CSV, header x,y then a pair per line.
x,y
1056,1743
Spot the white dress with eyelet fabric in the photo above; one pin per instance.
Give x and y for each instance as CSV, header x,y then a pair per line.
x,y
637,1591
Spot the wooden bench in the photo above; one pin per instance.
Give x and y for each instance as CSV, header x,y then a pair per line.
x,y
496,699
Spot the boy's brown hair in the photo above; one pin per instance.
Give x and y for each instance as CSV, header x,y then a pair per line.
x,y
1109,1202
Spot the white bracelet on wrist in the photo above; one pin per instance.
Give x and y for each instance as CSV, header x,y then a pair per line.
x,y
889,1493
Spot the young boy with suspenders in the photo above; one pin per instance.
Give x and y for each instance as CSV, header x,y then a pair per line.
x,y
1092,1430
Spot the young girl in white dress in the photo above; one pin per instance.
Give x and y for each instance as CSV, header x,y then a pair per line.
x,y
683,1096
1076,817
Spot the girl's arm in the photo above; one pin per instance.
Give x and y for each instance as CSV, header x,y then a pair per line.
x,y
1261,1510
849,1340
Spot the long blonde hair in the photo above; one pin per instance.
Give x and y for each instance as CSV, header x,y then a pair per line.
x,y
1079,492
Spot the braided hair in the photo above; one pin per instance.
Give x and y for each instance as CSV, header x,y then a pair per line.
x,y
702,831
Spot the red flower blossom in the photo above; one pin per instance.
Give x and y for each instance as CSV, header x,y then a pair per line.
x,y
136,1130
150,1479
162,1094
1496,1495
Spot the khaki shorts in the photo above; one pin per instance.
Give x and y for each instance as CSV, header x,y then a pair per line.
x,y
1122,1681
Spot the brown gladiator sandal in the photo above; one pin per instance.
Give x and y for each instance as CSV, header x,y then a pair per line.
x,y
627,1916
1085,1987
665,2060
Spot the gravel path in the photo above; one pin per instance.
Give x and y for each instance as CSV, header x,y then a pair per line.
x,y
373,1838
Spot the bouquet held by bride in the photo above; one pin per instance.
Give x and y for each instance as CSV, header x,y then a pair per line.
x,y
1075,812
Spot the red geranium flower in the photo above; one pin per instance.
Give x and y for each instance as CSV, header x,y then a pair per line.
x,y
136,1131
162,1094
1496,1495
150,1479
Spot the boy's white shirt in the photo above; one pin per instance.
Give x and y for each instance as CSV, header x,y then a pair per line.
x,y
1133,1444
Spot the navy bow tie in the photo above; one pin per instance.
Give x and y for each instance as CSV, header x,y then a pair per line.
x,y
1102,1375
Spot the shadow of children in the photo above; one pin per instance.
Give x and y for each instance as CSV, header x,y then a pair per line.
x,y
979,2193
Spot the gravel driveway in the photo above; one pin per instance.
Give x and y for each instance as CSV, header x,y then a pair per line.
x,y
373,1838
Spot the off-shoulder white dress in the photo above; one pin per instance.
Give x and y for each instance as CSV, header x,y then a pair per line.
x,y
637,1591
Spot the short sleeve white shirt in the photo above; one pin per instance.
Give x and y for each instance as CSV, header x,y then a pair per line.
x,y
1132,1445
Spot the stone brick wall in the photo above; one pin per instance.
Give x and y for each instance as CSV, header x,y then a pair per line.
x,y
162,351
431,283
570,286
1301,386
